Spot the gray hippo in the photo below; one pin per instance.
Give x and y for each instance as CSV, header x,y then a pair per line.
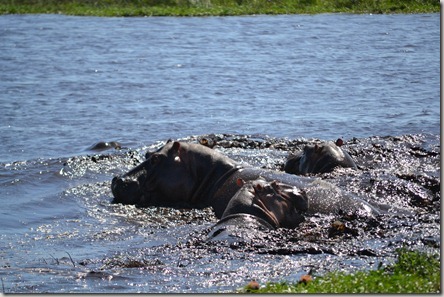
x,y
101,146
319,158
279,204
188,175
259,205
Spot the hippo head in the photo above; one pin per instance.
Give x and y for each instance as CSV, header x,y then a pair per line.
x,y
177,175
285,204
319,158
279,204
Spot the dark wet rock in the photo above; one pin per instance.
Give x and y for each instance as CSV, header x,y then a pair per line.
x,y
431,183
209,141
340,228
130,262
98,274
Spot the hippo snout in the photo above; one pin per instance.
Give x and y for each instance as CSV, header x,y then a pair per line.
x,y
125,191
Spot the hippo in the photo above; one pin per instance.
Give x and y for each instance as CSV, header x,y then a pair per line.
x,y
319,158
190,175
257,206
101,146
279,204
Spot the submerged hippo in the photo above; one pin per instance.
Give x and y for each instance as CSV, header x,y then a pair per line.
x,y
259,205
319,158
195,176
101,146
279,204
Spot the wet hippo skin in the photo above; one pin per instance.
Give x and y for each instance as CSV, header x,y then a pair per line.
x,y
280,205
101,146
319,158
259,205
195,176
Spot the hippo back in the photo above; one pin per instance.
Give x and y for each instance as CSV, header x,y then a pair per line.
x,y
238,227
322,196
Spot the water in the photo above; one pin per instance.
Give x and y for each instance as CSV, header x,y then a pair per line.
x,y
69,82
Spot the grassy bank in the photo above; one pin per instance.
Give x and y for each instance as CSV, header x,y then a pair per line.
x,y
214,7
413,272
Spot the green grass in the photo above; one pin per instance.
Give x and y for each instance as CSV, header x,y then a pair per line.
x,y
414,272
213,7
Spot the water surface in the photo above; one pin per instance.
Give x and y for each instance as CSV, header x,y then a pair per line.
x,y
68,82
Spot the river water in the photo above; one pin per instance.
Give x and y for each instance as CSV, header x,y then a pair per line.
x,y
68,82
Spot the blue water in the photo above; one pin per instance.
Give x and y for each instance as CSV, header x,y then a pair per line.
x,y
68,82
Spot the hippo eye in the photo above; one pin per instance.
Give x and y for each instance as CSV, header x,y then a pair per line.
x,y
154,159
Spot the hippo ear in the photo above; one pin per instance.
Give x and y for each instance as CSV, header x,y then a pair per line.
x,y
176,146
275,185
240,182
175,151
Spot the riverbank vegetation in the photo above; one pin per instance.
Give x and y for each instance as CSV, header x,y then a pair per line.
x,y
213,7
413,272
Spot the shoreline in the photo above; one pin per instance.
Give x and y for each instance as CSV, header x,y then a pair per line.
x,y
193,8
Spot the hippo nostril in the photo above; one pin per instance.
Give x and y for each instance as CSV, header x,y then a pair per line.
x,y
117,186
117,181
125,190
